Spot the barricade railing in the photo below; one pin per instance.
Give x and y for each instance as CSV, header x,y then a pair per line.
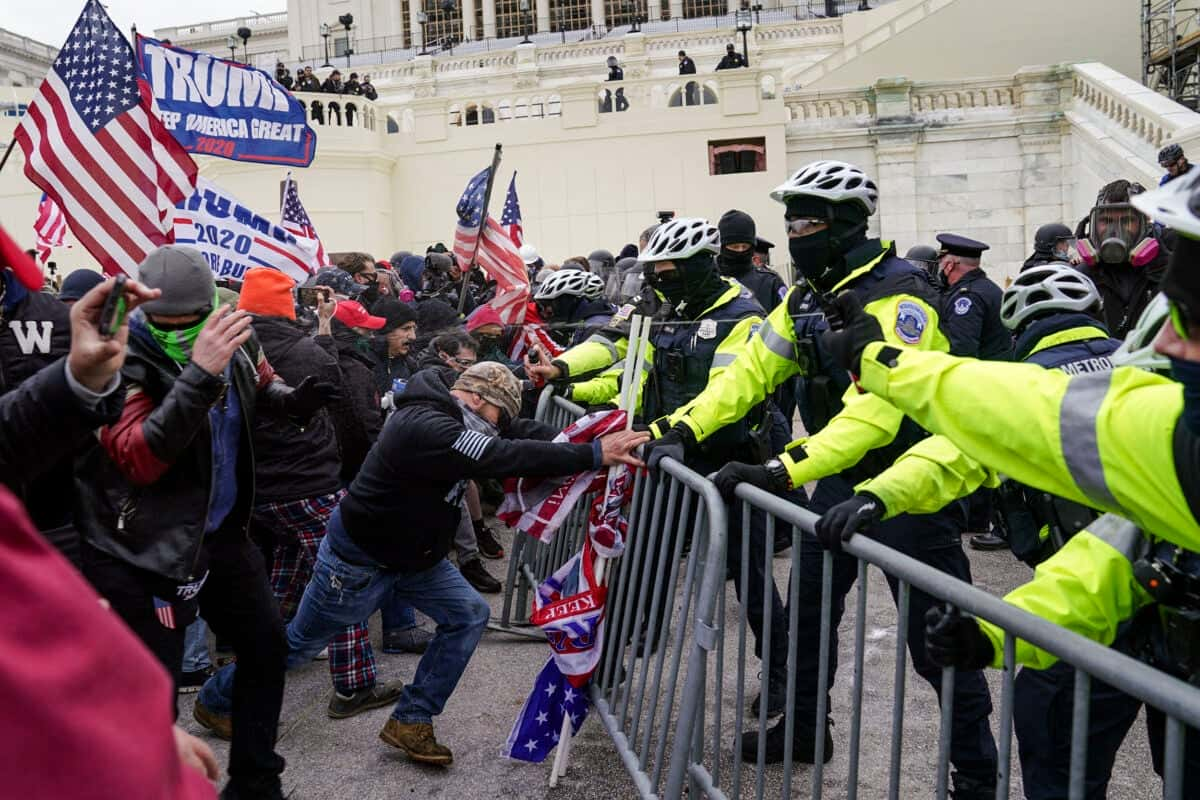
x,y
662,603
709,777
532,561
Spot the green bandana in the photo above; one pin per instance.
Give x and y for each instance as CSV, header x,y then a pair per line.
x,y
178,344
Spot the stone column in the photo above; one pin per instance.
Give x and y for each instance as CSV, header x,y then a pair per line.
x,y
654,10
676,7
489,19
543,16
468,20
598,18
415,31
896,139
1040,96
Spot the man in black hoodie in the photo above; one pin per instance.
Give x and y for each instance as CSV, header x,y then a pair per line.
x,y
396,525
296,468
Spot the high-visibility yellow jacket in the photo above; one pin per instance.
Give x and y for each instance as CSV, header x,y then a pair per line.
x,y
894,293
1088,587
1104,439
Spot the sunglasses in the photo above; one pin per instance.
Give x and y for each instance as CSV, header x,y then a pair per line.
x,y
803,226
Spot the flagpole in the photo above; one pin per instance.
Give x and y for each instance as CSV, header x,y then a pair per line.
x,y
483,219
630,389
7,151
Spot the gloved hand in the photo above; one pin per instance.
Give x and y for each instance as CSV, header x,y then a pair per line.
x,y
310,396
851,329
672,444
759,475
848,518
954,640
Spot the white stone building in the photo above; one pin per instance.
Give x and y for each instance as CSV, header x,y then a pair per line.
x,y
973,119
23,61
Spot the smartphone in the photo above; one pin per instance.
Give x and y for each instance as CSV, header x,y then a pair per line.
x,y
310,296
112,314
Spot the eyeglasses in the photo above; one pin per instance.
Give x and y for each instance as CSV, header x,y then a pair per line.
x,y
803,226
464,362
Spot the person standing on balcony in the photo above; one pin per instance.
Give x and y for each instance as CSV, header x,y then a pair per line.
x,y
686,65
732,59
1172,159
615,73
307,82
283,77
366,89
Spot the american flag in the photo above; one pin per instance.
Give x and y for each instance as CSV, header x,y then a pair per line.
x,y
50,228
295,220
94,145
497,254
536,731
165,613
510,217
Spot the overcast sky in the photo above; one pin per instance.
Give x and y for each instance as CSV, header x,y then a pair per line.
x,y
48,21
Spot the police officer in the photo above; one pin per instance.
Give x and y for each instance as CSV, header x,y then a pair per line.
x,y
971,309
762,252
737,259
1052,243
828,204
923,256
707,323
571,302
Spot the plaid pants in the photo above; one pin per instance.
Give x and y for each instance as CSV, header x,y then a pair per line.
x,y
298,527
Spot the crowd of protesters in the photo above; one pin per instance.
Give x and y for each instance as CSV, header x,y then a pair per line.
x,y
277,462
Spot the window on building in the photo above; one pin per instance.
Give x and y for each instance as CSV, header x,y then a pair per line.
x,y
570,15
511,21
620,13
704,8
444,27
731,156
340,45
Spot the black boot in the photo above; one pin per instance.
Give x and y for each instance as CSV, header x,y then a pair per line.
x,y
804,744
973,787
776,695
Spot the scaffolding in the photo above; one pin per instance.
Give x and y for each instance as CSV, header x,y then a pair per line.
x,y
1171,49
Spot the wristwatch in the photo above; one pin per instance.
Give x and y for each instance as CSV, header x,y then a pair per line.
x,y
779,474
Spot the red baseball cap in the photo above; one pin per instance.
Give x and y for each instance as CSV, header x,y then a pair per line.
x,y
13,257
352,314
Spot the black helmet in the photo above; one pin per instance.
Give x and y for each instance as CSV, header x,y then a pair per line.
x,y
1049,235
1169,154
923,253
601,261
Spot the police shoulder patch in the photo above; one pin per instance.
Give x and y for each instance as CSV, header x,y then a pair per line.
x,y
623,314
708,329
962,305
911,321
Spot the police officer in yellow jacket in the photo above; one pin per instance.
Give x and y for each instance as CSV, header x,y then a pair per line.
x,y
828,205
708,322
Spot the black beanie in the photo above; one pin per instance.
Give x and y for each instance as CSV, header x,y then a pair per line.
x,y
736,226
395,312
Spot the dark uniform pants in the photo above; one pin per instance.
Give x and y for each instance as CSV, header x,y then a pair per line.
x,y
237,602
932,539
1042,705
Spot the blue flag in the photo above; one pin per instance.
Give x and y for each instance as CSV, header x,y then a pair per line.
x,y
217,107
536,730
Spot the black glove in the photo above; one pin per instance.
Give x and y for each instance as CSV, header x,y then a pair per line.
x,y
954,640
310,396
672,444
851,329
759,475
848,518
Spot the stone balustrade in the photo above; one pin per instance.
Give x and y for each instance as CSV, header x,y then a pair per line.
x,y
1142,112
902,100
339,111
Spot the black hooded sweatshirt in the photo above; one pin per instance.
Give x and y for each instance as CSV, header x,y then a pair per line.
x,y
403,508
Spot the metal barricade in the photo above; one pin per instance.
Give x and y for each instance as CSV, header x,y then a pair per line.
x,y
709,777
661,606
533,561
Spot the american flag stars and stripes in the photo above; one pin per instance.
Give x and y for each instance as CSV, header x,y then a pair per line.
x,y
510,217
496,253
296,221
50,228
536,731
165,613
94,145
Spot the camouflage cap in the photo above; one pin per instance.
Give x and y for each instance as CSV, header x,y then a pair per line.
x,y
495,383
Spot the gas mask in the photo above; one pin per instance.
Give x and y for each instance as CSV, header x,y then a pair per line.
x,y
1118,234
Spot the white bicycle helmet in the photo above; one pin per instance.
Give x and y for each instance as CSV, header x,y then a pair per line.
x,y
1050,287
1175,205
682,238
570,282
835,181
1138,348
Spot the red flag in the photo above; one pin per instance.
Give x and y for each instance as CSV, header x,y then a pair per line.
x,y
93,143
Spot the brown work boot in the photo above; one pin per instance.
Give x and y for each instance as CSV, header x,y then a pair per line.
x,y
220,725
417,740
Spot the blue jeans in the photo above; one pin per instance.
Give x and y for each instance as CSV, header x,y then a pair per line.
x,y
195,647
397,615
348,586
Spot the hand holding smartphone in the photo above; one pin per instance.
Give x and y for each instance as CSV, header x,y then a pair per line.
x,y
112,314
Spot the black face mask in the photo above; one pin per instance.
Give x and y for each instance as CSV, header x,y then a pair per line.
x,y
816,259
736,263
370,295
487,343
669,284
